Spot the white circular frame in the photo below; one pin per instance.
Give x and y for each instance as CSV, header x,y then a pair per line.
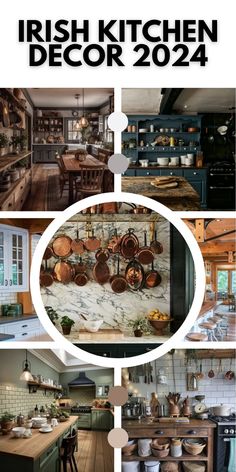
x,y
77,352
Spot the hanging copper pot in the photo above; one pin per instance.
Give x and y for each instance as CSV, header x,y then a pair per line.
x,y
134,275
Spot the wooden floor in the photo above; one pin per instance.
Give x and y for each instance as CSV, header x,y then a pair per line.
x,y
94,452
38,198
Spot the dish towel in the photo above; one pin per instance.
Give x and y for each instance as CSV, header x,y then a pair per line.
x,y
232,456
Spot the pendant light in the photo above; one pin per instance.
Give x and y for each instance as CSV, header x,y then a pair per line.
x,y
26,374
77,126
83,120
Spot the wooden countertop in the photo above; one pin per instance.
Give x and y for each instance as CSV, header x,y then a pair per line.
x,y
183,197
207,306
33,447
144,423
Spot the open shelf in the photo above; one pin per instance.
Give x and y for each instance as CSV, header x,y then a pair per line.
x,y
184,457
34,386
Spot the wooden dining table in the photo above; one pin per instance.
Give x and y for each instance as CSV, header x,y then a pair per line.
x,y
72,167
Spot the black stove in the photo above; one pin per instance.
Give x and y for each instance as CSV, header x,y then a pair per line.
x,y
223,434
81,409
221,186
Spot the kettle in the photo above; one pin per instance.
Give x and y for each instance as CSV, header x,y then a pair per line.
x,y
20,420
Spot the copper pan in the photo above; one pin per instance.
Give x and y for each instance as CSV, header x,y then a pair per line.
x,y
77,245
62,246
129,245
45,277
118,282
152,278
145,254
101,272
64,272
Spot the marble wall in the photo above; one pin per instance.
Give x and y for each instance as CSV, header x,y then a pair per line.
x,y
99,301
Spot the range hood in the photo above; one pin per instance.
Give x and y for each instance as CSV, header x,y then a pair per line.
x,y
81,381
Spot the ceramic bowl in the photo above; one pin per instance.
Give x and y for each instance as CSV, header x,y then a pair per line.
x,y
144,162
163,161
92,326
18,432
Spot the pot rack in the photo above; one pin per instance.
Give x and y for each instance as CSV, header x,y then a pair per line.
x,y
115,218
214,354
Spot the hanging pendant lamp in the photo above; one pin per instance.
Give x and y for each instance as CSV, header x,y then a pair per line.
x,y
77,126
26,374
83,120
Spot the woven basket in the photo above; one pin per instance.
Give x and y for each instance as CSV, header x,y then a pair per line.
x,y
160,454
129,449
160,444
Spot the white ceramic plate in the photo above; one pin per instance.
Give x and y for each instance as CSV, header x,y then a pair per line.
x,y
45,431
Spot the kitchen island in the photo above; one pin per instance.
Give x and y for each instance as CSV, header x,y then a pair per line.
x,y
147,428
39,453
181,198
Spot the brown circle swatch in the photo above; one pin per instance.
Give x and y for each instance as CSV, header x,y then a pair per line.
x,y
117,437
118,396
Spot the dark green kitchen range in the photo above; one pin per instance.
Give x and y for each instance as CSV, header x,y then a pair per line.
x,y
138,144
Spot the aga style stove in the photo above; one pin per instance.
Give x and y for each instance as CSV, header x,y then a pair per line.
x,y
223,444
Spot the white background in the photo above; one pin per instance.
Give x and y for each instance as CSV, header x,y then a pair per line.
x,y
218,72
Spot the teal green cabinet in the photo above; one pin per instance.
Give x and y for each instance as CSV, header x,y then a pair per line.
x,y
102,420
198,179
84,421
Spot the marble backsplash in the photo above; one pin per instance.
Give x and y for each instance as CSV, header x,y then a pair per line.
x,y
99,301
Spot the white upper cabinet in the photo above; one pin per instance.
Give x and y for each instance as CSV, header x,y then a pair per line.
x,y
14,259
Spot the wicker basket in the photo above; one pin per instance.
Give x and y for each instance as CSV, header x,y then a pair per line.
x,y
193,449
160,454
193,466
160,444
129,449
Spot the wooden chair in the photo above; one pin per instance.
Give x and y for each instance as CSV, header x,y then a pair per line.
x,y
91,180
63,176
67,451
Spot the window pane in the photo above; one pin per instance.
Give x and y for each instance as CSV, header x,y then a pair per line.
x,y
20,241
222,281
14,240
1,239
233,281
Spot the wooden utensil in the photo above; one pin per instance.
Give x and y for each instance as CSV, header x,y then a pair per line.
x,y
118,282
152,278
77,245
129,245
63,271
134,275
92,243
62,246
145,255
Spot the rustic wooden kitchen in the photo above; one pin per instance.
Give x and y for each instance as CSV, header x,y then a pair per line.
x,y
180,414
57,413
52,141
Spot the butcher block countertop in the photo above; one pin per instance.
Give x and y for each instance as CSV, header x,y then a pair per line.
x,y
126,339
139,425
183,197
33,447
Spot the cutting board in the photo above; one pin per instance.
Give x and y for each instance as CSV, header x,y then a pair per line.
x,y
181,419
106,334
164,186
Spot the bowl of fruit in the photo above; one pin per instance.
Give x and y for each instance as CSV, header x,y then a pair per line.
x,y
159,321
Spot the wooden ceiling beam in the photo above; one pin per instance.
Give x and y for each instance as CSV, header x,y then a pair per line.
x,y
217,247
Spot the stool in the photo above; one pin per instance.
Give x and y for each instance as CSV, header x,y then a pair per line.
x,y
210,330
67,451
218,331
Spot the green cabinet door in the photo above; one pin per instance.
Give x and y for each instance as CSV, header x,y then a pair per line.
x,y
101,420
50,461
